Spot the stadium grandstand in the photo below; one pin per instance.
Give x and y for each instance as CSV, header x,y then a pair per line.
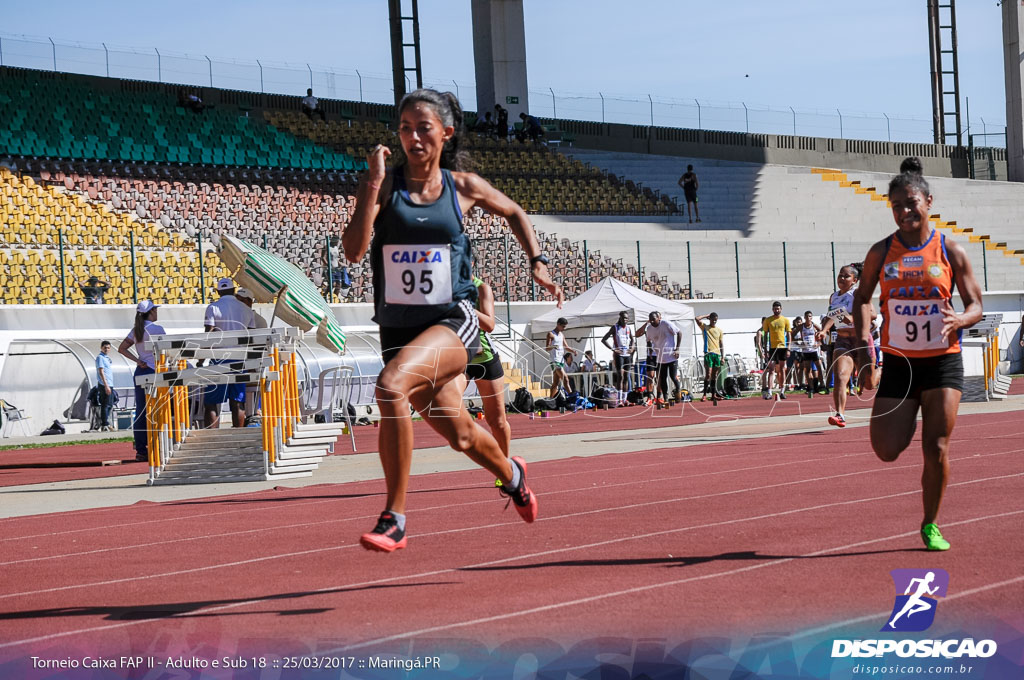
x,y
169,246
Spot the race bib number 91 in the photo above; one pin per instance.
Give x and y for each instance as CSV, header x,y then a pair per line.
x,y
915,324
418,274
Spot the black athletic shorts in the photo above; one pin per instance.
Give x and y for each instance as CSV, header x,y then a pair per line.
x,y
777,354
490,370
622,363
462,319
905,378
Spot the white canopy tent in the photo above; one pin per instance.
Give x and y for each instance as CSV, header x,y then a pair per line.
x,y
599,307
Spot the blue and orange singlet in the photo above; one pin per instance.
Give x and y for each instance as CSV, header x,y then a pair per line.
x,y
917,284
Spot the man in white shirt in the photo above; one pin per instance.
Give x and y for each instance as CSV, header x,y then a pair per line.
x,y
226,314
311,106
664,337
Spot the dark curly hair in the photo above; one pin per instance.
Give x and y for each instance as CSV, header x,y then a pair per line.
x,y
910,177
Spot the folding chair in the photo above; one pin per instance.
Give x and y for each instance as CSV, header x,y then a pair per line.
x,y
13,414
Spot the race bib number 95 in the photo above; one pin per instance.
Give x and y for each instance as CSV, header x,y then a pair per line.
x,y
418,274
915,324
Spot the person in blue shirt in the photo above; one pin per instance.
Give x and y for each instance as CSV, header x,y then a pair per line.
x,y
105,384
531,128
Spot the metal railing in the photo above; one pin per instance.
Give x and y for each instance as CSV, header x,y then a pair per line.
x,y
685,270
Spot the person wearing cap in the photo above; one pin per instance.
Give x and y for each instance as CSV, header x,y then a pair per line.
x,y
93,290
252,406
145,364
228,314
244,296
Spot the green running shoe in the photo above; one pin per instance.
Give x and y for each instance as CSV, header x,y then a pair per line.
x,y
932,538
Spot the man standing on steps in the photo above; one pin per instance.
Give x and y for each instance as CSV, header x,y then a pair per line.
x,y
689,184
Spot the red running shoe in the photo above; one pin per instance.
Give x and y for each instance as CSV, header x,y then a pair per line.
x,y
838,420
524,499
386,536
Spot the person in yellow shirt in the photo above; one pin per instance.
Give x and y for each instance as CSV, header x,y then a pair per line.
x,y
713,353
778,329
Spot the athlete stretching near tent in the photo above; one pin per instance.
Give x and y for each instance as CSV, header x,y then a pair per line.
x,y
423,292
918,268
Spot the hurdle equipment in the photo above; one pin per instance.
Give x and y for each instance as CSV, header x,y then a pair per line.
x,y
283,447
990,385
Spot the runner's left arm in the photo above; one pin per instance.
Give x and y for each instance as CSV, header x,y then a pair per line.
x,y
479,192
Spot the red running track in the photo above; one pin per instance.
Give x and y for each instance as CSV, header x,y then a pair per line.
x,y
36,466
772,534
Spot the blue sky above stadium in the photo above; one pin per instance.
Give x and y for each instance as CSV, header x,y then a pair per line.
x,y
869,57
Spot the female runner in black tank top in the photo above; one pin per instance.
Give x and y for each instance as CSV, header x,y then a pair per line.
x,y
423,359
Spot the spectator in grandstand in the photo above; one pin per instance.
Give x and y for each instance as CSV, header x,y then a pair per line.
x,y
501,124
531,128
145,327
190,101
689,184
341,281
105,384
714,350
311,106
94,290
227,314
623,347
485,125
665,338
777,329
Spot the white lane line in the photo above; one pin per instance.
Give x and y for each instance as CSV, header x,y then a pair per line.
x,y
489,526
450,570
305,502
426,509
490,501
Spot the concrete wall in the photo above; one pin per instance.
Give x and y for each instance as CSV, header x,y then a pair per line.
x,y
499,55
848,154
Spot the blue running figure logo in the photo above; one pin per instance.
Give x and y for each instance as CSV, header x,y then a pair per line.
x,y
914,610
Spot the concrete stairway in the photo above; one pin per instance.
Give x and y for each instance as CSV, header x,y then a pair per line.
x,y
516,378
236,455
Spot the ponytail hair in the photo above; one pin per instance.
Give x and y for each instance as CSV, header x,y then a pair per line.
x,y
140,325
856,267
449,111
910,177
